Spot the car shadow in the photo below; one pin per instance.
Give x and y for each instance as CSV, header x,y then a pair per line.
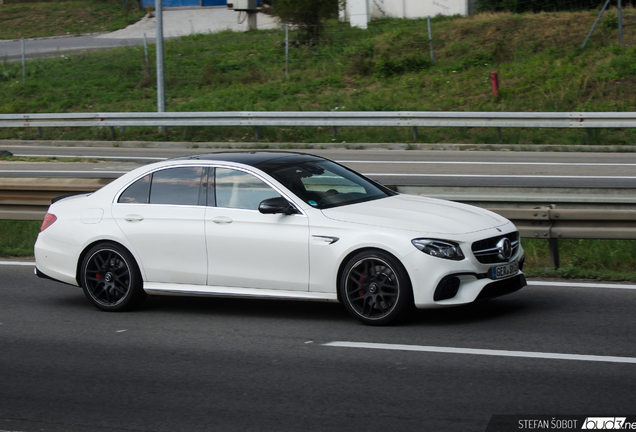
x,y
248,308
491,310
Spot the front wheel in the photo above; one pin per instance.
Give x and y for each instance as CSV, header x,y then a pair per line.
x,y
375,288
111,279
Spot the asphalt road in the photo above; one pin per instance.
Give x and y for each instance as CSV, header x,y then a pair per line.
x,y
177,21
398,167
189,364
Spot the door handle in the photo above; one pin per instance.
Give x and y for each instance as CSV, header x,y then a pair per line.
x,y
222,220
133,218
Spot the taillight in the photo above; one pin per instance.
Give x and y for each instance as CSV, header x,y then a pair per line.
x,y
49,218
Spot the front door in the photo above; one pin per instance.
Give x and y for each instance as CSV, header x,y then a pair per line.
x,y
249,249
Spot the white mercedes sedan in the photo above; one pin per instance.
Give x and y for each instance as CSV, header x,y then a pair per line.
x,y
276,225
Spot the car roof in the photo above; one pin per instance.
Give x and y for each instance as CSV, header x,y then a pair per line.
x,y
264,160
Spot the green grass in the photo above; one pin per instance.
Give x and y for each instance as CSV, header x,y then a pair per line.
x,y
62,18
385,68
608,260
18,237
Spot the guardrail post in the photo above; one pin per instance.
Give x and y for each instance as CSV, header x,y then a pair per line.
x,y
40,132
414,133
257,132
113,134
335,131
555,261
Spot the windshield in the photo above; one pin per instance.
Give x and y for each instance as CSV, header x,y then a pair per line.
x,y
326,184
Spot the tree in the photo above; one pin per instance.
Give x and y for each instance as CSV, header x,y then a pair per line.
x,y
308,15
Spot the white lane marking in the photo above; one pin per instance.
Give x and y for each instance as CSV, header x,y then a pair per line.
x,y
91,157
573,164
96,171
486,163
486,352
500,176
17,263
582,285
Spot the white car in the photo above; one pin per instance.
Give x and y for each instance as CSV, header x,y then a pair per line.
x,y
275,225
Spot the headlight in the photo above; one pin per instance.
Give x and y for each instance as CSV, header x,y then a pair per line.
x,y
439,248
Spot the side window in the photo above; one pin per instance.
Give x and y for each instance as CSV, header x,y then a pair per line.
x,y
138,192
236,189
178,186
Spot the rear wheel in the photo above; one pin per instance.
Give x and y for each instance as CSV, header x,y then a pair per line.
x,y
111,279
375,288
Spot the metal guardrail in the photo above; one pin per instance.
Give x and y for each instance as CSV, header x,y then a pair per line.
x,y
29,198
328,118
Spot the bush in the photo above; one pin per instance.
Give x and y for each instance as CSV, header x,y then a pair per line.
x,y
307,15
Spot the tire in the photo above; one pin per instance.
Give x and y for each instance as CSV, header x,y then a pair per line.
x,y
111,279
385,297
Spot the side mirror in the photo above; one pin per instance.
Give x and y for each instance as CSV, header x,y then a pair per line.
x,y
276,205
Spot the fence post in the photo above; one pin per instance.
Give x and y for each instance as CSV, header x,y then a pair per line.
x,y
414,133
147,63
595,22
430,38
286,51
620,23
23,62
161,84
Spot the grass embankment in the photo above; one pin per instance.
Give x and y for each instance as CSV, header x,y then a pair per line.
x,y
609,260
385,68
62,18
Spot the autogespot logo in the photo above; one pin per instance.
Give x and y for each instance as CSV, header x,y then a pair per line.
x,y
605,423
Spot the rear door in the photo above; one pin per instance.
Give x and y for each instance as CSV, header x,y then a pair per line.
x,y
162,215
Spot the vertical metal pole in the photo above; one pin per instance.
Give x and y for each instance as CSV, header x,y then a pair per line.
x,y
499,133
23,63
414,133
335,131
251,20
620,23
594,26
147,63
257,132
161,83
555,260
286,51
430,38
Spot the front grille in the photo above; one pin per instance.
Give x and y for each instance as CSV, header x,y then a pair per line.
x,y
502,287
487,252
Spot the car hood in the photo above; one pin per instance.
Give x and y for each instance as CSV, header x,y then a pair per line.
x,y
421,214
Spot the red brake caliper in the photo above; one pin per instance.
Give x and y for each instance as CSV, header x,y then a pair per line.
x,y
361,292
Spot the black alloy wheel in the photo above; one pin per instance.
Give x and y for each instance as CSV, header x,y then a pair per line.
x,y
375,288
111,279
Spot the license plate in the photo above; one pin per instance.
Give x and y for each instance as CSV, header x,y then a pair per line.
x,y
504,271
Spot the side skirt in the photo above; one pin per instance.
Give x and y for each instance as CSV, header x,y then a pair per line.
x,y
157,288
